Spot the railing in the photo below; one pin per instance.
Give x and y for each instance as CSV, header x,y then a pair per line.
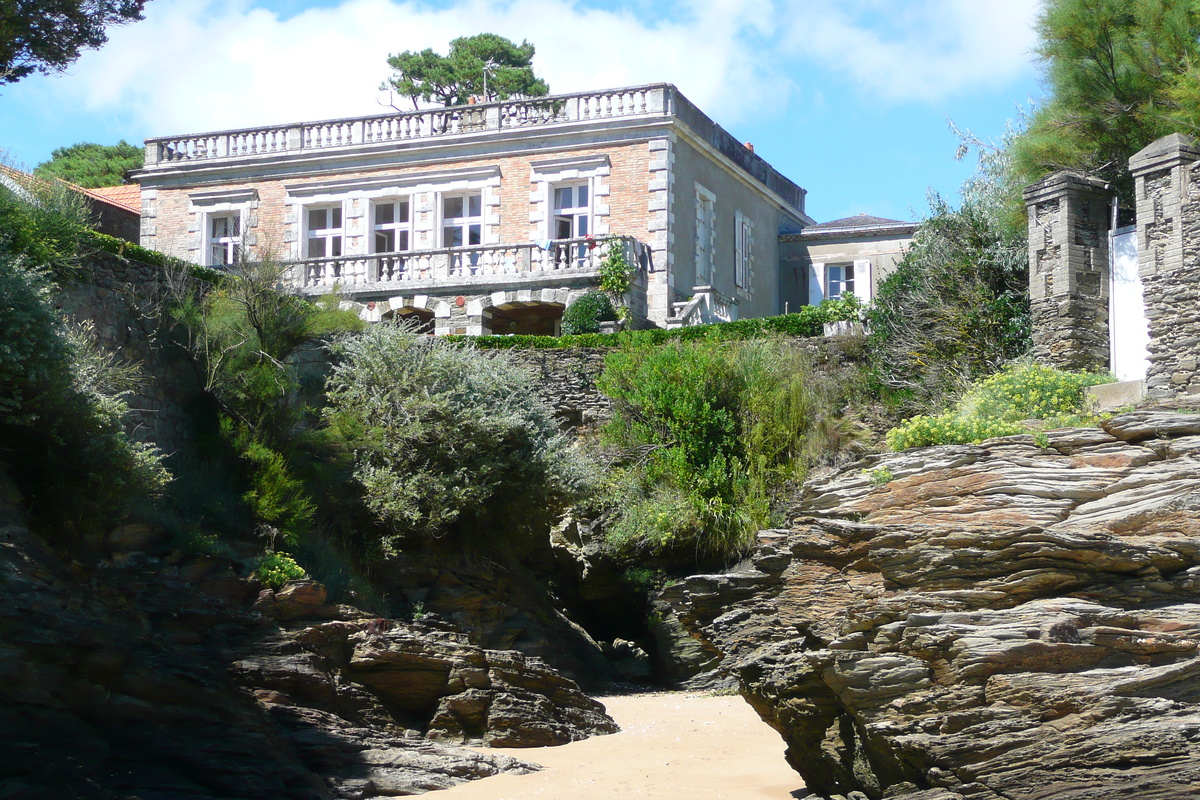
x,y
706,305
654,100
476,264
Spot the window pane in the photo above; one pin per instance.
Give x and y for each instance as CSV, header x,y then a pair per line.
x,y
581,225
403,215
562,227
316,248
384,213
581,194
562,198
335,243
233,254
403,241
384,241
476,205
849,273
235,223
316,219
336,213
452,207
217,255
476,235
452,236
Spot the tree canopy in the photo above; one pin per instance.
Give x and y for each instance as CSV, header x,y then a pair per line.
x,y
47,35
1121,73
91,165
486,65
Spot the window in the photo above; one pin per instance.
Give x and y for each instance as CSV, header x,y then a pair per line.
x,y
224,239
571,212
839,280
391,226
706,207
324,232
462,220
743,255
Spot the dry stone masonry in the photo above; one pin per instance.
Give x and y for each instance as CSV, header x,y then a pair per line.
x,y
1068,270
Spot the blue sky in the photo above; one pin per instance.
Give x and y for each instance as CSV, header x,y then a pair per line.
x,y
849,98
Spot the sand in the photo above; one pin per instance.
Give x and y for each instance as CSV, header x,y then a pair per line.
x,y
672,746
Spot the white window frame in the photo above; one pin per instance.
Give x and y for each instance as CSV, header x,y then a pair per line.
x,y
743,250
396,227
706,212
231,245
575,212
840,282
329,235
463,223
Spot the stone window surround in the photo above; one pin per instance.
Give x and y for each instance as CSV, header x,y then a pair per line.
x,y
225,202
703,195
331,231
424,191
590,170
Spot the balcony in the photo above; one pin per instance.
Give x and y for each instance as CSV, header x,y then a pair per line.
x,y
654,100
480,267
659,101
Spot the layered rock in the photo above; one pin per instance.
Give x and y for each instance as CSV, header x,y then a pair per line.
x,y
987,621
148,674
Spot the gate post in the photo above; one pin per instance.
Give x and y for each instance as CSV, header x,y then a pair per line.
x,y
1068,270
1167,191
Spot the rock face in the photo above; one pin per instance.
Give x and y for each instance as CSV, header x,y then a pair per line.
x,y
991,621
145,675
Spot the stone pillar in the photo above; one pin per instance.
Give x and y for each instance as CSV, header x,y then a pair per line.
x,y
1167,190
1068,270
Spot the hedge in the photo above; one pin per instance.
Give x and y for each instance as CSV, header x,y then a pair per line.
x,y
807,322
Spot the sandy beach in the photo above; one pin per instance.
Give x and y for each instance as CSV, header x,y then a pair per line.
x,y
671,746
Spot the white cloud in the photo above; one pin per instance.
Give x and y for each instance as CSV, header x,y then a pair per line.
x,y
210,64
916,50
196,65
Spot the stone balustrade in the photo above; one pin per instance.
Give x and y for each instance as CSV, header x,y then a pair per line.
x,y
653,100
463,265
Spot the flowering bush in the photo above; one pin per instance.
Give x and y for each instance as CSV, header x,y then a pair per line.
x,y
994,407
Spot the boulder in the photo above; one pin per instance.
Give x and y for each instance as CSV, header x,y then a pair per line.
x,y
997,620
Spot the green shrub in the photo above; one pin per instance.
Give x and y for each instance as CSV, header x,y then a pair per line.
x,y
586,314
714,431
807,322
275,496
956,308
62,412
996,405
276,569
449,441
615,274
44,224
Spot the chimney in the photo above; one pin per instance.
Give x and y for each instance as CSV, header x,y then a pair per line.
x,y
750,146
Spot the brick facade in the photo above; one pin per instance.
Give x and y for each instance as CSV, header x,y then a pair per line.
x,y
620,146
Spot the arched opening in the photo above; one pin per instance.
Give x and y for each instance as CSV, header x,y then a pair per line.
x,y
422,318
530,319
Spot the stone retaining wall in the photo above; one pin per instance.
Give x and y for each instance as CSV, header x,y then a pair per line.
x,y
567,381
120,298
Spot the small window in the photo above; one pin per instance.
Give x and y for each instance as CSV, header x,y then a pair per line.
x,y
324,238
571,215
839,281
462,220
392,226
224,239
